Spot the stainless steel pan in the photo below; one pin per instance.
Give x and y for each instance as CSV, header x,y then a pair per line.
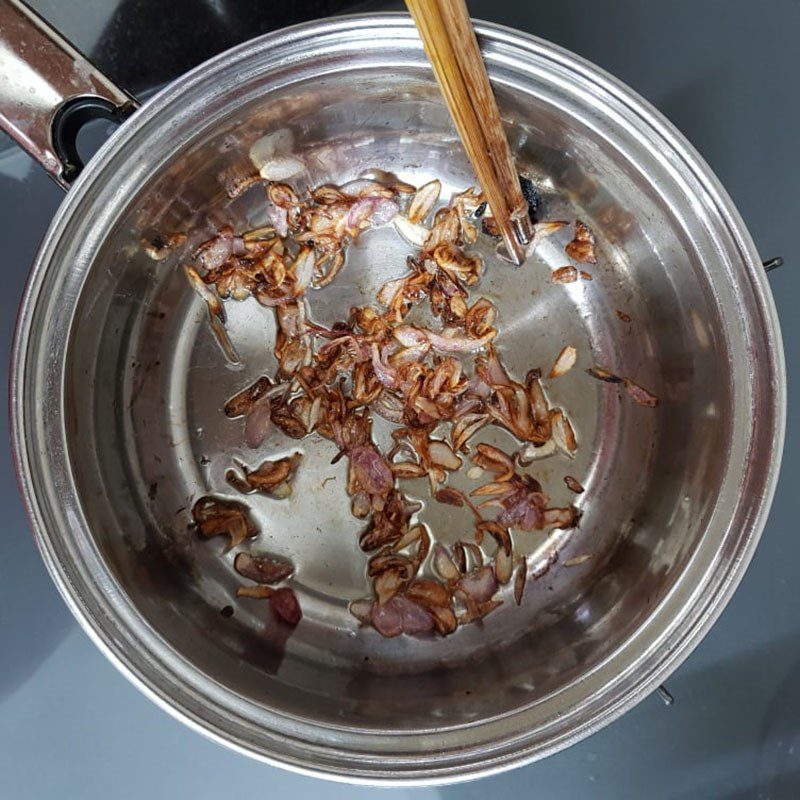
x,y
118,387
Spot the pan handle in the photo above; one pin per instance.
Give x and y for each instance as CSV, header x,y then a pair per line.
x,y
48,90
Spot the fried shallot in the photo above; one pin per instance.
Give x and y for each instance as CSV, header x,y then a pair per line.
x,y
425,357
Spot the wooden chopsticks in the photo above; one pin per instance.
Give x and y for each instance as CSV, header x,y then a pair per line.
x,y
449,39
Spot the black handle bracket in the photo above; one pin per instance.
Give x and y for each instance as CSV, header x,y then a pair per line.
x,y
71,117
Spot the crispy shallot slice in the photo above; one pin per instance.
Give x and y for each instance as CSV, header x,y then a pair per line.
x,y
564,362
424,200
262,569
272,478
494,460
582,247
214,517
216,315
449,341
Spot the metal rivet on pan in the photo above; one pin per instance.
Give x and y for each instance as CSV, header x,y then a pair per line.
x,y
665,695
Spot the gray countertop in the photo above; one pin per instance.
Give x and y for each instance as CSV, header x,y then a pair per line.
x,y
725,72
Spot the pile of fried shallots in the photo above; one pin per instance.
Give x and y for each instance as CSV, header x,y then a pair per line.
x,y
438,385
